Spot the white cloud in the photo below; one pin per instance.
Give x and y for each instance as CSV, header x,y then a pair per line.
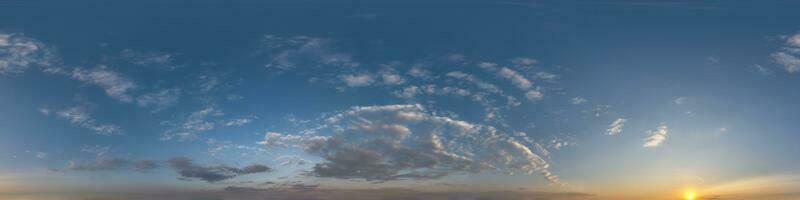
x,y
390,77
519,80
115,85
418,71
41,155
656,137
18,53
794,40
546,76
578,100
407,92
616,126
681,100
790,62
357,80
80,117
534,95
238,122
195,123
788,55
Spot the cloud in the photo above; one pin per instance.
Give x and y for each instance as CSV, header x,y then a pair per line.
x,y
189,170
656,137
682,100
150,59
394,142
19,53
519,80
159,100
195,123
788,55
105,164
115,85
79,116
357,80
391,77
143,165
238,122
616,127
41,155
522,61
578,100
303,51
789,61
98,165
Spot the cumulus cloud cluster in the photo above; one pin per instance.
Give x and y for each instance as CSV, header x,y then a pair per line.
x,y
188,170
393,142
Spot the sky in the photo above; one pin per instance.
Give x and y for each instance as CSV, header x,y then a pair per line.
x,y
471,99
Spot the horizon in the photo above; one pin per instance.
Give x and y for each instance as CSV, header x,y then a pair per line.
x,y
476,99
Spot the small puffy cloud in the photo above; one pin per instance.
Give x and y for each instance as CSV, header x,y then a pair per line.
x,y
357,80
79,116
656,137
534,95
390,77
418,71
41,155
681,100
518,79
578,100
238,122
545,76
190,170
19,53
115,85
522,61
616,127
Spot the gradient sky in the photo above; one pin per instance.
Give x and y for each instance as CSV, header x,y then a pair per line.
x,y
588,99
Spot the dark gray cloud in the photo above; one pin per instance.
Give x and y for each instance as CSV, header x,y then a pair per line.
x,y
189,170
111,164
145,165
99,164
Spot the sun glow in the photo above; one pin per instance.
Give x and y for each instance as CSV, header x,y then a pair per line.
x,y
690,195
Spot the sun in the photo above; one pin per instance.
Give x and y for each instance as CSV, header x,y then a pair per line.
x,y
690,195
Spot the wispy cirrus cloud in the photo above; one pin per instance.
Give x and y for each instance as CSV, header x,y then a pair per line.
x,y
616,127
79,116
114,84
18,53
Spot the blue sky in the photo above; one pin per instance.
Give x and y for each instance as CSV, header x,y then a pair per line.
x,y
541,96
